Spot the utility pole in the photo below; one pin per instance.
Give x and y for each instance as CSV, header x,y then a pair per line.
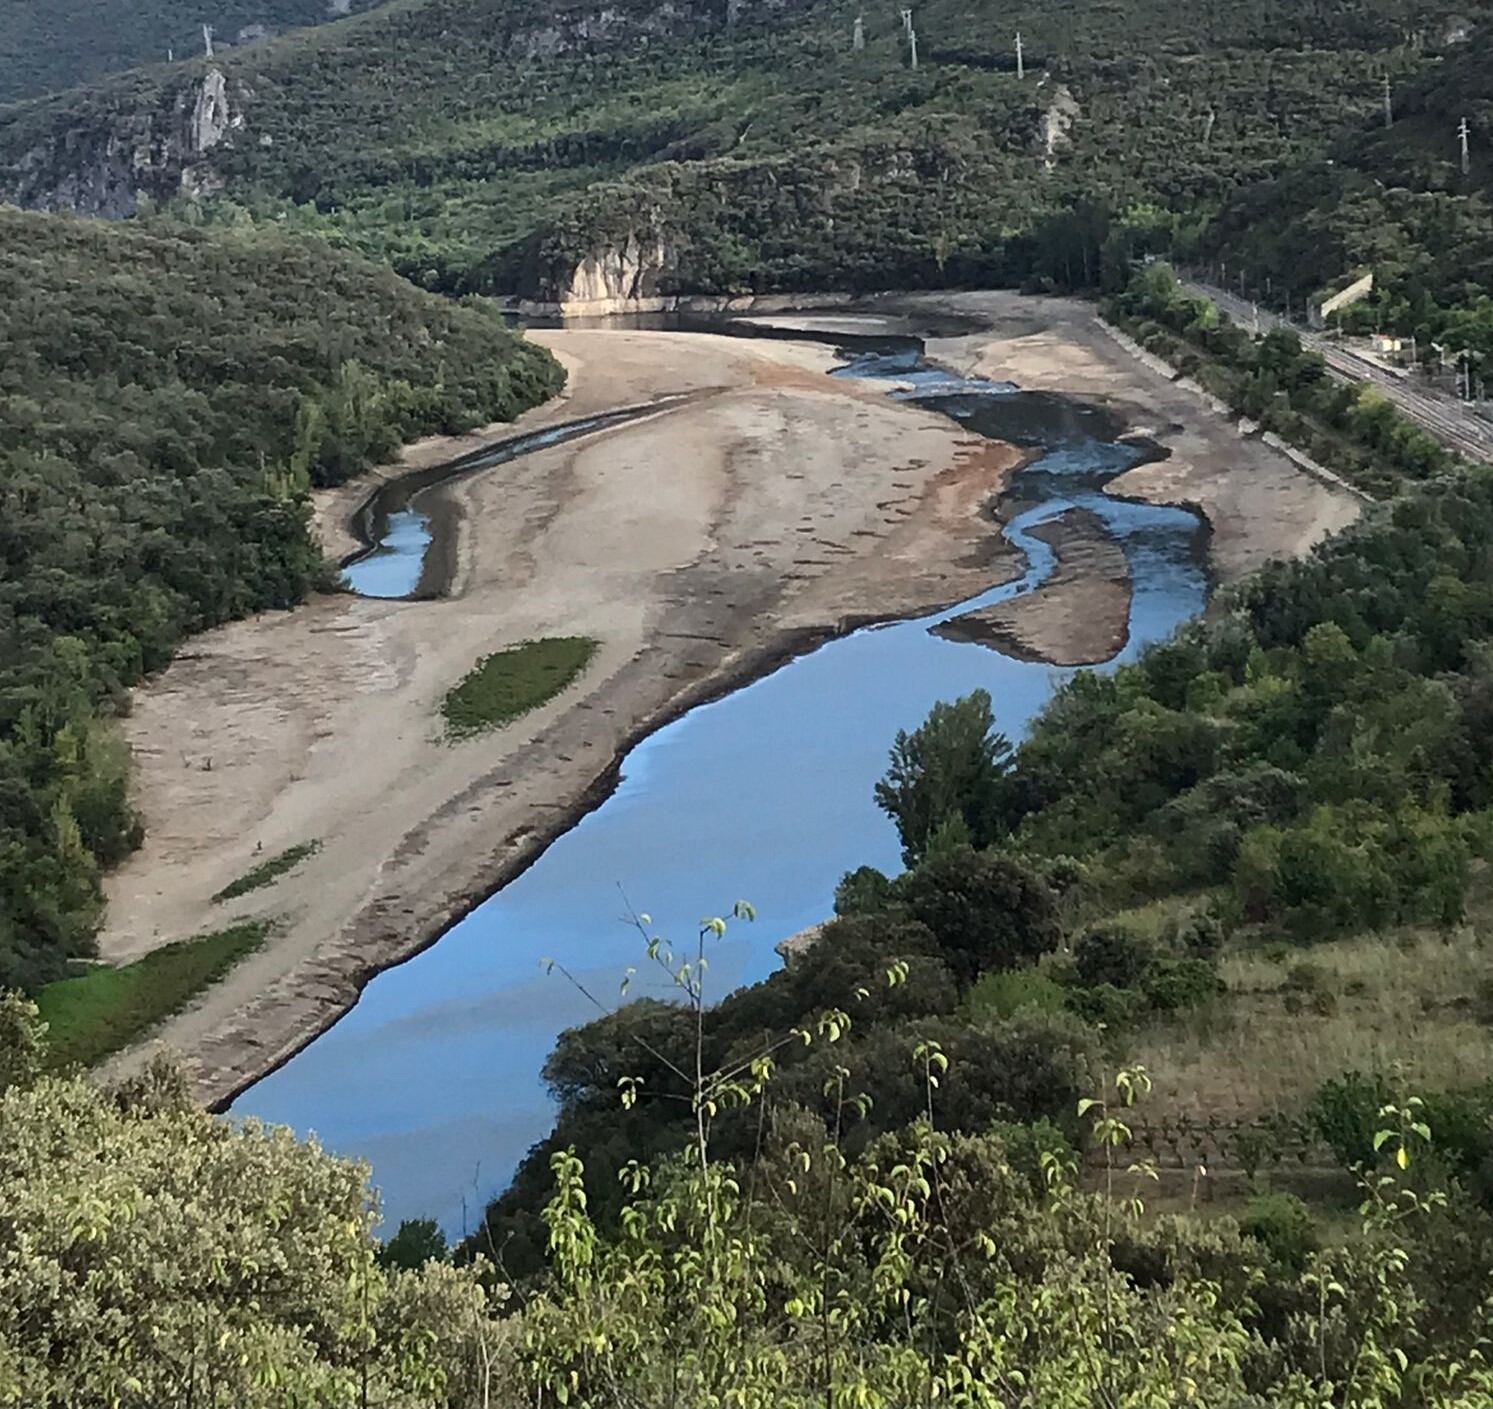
x,y
207,40
1020,57
912,41
1462,134
1208,126
858,42
1389,107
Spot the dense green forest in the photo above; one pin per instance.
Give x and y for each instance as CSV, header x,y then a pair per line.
x,y
1392,200
47,45
168,397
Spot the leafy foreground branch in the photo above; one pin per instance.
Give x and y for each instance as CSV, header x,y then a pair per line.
x,y
152,1255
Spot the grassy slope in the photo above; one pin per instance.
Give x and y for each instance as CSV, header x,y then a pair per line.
x,y
106,1009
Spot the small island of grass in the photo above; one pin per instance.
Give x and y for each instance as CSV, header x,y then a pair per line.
x,y
511,682
106,1009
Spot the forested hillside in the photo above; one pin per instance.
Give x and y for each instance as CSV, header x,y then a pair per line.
x,y
168,397
1394,201
487,145
46,45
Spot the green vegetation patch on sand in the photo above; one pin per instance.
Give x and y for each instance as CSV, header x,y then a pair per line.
x,y
108,1008
510,683
267,872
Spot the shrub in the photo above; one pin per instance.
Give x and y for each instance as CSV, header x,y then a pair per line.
x,y
986,912
417,1241
1025,1144
1108,1006
1284,1226
1345,1113
1111,954
1201,935
1309,987
1006,992
864,891
1173,985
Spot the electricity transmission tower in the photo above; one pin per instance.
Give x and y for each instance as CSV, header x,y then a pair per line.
x,y
1020,57
207,40
858,41
1389,109
1462,137
912,36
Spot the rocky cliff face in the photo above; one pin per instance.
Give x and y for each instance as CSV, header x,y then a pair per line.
x,y
107,164
628,275
1057,120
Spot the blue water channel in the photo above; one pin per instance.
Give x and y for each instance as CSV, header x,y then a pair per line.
x,y
397,521
765,795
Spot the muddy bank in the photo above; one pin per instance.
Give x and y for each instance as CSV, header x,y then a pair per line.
x,y
1079,616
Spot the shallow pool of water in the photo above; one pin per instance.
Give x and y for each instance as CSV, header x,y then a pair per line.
x,y
765,795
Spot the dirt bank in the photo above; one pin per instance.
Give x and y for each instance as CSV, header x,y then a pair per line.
x,y
775,507
1081,613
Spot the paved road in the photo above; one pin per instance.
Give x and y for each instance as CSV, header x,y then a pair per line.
x,y
1451,422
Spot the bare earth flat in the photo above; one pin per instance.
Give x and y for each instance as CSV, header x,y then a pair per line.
x,y
775,506
770,508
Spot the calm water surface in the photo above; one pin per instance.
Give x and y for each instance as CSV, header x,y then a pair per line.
x,y
764,795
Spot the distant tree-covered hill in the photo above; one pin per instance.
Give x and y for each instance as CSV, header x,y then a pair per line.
x,y
1391,200
496,146
46,45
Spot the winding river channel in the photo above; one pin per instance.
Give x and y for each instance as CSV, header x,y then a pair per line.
x,y
765,795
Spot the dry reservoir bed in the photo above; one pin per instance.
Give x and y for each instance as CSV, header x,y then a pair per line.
x,y
771,508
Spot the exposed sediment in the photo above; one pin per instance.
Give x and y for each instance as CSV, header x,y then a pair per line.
x,y
775,507
1081,613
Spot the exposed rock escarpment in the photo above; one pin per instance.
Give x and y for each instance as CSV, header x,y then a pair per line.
x,y
105,164
625,275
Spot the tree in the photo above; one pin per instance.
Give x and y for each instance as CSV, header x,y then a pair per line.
x,y
417,1241
953,764
985,911
1111,954
151,1254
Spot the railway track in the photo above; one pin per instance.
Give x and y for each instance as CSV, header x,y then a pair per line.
x,y
1447,419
